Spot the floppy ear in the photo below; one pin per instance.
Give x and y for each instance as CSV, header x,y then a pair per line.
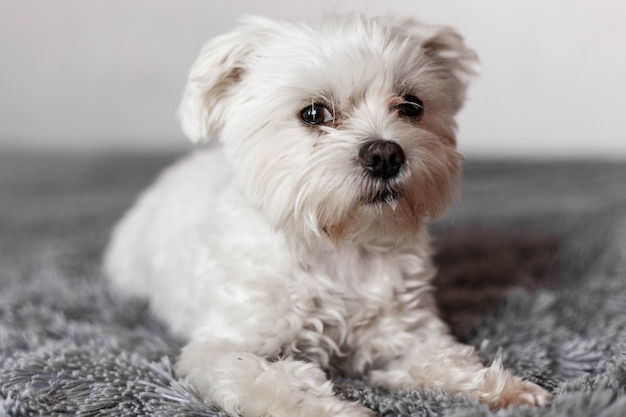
x,y
219,68
448,49
454,62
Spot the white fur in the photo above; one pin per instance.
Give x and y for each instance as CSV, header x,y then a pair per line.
x,y
268,253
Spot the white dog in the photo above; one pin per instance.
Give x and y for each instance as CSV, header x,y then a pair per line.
x,y
299,245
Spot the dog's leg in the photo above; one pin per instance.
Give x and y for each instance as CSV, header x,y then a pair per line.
x,y
432,359
244,383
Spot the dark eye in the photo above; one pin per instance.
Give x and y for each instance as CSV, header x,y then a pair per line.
x,y
316,114
412,107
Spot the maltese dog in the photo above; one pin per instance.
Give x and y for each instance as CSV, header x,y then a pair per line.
x,y
299,245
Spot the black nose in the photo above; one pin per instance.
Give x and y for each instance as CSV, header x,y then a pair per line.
x,y
381,158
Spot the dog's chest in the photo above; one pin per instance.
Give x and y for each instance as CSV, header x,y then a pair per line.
x,y
346,292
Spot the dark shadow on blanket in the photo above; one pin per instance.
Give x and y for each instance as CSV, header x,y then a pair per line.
x,y
479,267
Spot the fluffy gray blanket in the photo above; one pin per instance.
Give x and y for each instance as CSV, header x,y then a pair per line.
x,y
532,268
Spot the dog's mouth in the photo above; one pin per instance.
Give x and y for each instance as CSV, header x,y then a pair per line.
x,y
385,196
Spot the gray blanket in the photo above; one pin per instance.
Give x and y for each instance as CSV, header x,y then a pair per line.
x,y
532,268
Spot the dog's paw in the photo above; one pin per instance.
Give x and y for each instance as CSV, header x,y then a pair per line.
x,y
523,393
503,390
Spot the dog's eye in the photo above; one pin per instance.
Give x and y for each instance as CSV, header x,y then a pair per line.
x,y
316,114
412,107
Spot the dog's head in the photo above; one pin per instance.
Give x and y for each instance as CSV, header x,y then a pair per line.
x,y
345,129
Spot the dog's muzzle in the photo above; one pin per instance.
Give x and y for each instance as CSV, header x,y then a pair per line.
x,y
381,158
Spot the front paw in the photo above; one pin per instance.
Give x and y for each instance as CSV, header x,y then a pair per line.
x,y
503,390
527,393
519,393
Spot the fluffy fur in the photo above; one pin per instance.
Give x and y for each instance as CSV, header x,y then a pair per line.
x,y
279,253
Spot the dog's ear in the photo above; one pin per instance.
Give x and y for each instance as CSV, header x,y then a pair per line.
x,y
451,58
219,68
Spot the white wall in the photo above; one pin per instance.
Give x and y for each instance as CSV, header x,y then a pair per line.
x,y
107,74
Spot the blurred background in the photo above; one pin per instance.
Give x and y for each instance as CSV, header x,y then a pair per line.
x,y
107,75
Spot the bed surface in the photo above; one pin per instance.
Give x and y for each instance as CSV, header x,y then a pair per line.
x,y
532,264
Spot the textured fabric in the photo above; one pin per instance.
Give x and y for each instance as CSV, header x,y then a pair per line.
x,y
532,268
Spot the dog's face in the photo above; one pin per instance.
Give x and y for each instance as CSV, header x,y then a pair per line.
x,y
344,130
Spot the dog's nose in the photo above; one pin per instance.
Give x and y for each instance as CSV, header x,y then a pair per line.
x,y
381,158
